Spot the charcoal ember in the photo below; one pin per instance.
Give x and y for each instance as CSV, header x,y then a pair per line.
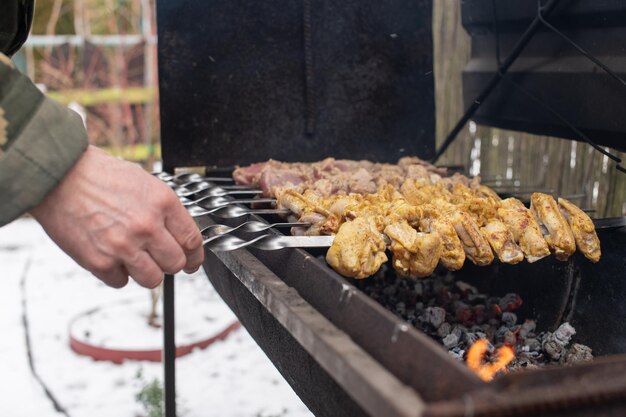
x,y
500,332
465,316
492,300
470,338
435,316
445,298
457,353
459,305
527,328
401,308
564,334
510,302
456,315
479,315
389,291
477,299
509,319
553,349
495,310
450,340
444,329
458,330
510,339
437,286
466,288
578,353
418,288
533,345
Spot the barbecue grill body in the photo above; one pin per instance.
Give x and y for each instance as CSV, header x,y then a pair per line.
x,y
234,90
244,81
590,296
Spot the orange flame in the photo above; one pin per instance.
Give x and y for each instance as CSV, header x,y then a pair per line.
x,y
476,359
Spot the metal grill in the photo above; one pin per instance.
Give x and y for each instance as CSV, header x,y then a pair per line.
x,y
382,366
342,352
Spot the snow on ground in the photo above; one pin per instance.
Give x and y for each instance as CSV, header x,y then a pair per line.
x,y
231,378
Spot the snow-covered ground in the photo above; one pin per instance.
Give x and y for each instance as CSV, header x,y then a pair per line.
x,y
230,378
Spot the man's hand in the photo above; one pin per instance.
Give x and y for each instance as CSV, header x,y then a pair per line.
x,y
116,220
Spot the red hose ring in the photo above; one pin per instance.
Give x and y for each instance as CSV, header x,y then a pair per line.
x,y
154,355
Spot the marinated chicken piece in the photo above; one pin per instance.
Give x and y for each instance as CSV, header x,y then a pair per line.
x,y
418,192
400,209
415,254
292,200
476,247
502,242
452,252
486,192
556,230
484,210
317,222
583,229
524,228
305,209
358,250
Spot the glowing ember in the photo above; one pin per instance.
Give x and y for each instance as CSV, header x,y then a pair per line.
x,y
487,370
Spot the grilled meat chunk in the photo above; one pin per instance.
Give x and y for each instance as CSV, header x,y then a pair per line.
x,y
524,229
556,230
415,254
452,252
476,247
358,250
584,231
502,242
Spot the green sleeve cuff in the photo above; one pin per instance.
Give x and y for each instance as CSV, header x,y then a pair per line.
x,y
47,147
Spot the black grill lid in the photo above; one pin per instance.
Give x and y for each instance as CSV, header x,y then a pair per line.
x,y
245,80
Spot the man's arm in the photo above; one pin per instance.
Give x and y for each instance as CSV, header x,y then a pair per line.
x,y
109,215
40,140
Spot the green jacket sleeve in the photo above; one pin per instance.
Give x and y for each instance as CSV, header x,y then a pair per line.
x,y
40,140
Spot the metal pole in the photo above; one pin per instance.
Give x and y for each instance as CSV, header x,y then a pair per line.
x,y
169,347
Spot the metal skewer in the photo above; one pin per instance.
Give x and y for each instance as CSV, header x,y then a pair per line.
x,y
225,243
212,202
189,178
201,180
231,212
249,227
216,192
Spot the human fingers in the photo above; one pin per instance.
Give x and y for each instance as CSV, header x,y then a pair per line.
x,y
144,270
115,277
166,252
184,229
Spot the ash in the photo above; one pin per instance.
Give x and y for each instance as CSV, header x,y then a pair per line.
x,y
455,314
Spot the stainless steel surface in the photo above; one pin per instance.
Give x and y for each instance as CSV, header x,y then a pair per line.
x,y
249,227
189,178
214,202
198,179
231,212
226,243
213,191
